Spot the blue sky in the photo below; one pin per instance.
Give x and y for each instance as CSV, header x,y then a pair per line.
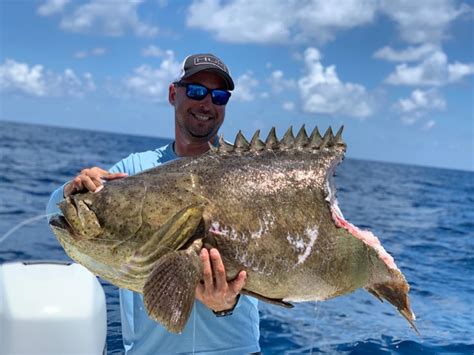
x,y
397,74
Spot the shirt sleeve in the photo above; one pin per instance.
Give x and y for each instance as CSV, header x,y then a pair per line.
x,y
56,197
120,167
131,165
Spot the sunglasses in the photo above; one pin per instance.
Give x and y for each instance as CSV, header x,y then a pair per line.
x,y
199,92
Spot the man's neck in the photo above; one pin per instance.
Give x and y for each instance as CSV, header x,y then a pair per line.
x,y
189,149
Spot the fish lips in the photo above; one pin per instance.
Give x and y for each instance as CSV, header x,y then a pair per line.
x,y
60,224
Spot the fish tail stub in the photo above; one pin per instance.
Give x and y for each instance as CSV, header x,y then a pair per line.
x,y
394,291
397,295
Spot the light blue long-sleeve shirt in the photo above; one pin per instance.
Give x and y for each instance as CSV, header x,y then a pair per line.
x,y
204,333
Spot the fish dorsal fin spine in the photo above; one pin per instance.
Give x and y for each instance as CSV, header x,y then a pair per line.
x,y
224,147
302,139
288,140
212,148
327,139
241,144
302,142
271,142
256,144
315,139
338,141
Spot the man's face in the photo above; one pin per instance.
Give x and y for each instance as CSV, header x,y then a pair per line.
x,y
198,121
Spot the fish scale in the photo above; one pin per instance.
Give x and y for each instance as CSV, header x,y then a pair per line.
x,y
270,209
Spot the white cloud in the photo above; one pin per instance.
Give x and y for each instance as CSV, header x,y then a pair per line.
x,y
51,7
154,51
288,105
278,82
322,19
69,84
425,100
110,18
244,86
322,92
276,21
152,83
241,21
95,52
409,54
432,71
419,104
458,70
20,78
423,21
269,21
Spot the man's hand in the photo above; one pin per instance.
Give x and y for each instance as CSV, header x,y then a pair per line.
x,y
216,293
90,180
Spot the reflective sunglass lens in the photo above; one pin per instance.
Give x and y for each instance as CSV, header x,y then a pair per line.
x,y
220,97
196,92
199,92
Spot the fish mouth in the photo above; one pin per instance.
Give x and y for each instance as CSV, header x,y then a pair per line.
x,y
59,222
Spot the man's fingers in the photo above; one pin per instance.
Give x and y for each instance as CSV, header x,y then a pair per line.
x,y
74,186
237,284
219,270
200,291
100,173
91,179
206,269
94,171
215,292
114,176
88,183
96,180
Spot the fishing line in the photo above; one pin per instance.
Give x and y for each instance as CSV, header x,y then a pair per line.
x,y
24,223
194,328
313,340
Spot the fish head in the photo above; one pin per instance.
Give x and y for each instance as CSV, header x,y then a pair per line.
x,y
77,218
95,223
78,229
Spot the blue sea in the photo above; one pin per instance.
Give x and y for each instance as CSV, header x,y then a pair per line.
x,y
423,216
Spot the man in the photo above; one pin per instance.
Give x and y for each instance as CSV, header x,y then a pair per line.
x,y
221,321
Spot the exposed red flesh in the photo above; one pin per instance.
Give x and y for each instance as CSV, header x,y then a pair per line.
x,y
367,237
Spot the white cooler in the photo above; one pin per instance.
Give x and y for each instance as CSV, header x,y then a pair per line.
x,y
51,308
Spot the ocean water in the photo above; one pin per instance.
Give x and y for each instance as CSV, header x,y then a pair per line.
x,y
423,216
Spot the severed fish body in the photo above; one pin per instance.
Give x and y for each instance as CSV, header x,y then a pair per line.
x,y
268,207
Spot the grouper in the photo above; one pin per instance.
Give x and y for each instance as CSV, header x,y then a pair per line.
x,y
270,209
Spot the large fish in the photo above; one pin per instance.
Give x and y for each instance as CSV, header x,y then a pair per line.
x,y
268,207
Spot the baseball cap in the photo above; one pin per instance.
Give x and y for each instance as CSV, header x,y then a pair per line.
x,y
209,62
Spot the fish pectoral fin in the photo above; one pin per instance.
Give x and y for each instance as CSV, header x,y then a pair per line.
x,y
169,291
173,235
278,302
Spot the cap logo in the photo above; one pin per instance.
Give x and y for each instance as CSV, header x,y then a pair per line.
x,y
204,59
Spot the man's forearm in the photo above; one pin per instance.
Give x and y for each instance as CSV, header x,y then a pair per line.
x,y
56,197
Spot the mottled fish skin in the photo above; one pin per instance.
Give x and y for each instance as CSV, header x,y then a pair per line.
x,y
268,207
